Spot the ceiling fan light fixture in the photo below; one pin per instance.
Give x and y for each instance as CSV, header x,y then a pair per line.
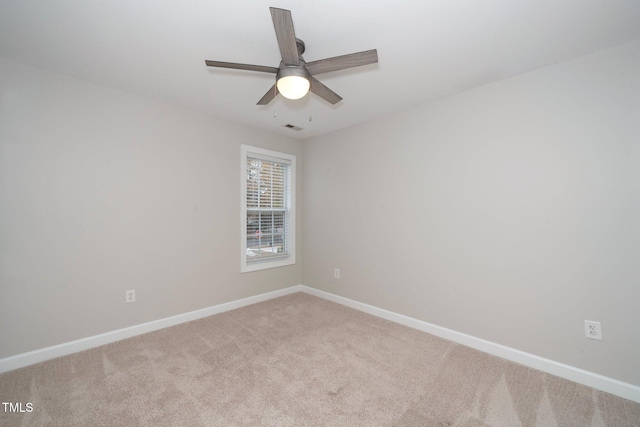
x,y
293,82
294,76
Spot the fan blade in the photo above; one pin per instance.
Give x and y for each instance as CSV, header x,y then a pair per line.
x,y
342,62
324,92
236,66
285,34
268,97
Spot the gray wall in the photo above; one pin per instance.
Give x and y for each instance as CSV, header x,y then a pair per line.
x,y
103,191
510,212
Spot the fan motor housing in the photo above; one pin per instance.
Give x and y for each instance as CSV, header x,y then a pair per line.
x,y
286,71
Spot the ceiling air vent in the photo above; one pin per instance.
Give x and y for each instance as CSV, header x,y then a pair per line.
x,y
293,127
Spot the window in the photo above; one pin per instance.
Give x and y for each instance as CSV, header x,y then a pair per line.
x,y
268,209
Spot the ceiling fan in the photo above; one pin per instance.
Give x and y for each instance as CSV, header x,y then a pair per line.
x,y
294,76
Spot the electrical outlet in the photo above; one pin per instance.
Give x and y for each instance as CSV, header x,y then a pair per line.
x,y
336,273
130,296
592,330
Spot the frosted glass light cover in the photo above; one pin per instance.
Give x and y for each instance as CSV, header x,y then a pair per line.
x,y
293,87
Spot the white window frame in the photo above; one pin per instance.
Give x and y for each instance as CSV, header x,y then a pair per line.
x,y
269,155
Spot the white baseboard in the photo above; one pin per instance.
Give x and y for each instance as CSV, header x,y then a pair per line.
x,y
597,381
580,376
47,353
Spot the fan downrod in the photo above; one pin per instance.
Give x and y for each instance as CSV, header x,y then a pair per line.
x,y
300,46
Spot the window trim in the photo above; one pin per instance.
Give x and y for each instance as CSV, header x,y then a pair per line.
x,y
245,267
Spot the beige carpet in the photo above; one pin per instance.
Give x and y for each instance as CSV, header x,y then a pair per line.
x,y
298,361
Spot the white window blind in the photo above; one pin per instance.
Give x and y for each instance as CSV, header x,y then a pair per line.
x,y
267,209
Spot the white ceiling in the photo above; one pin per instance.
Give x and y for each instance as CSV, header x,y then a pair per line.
x,y
427,49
